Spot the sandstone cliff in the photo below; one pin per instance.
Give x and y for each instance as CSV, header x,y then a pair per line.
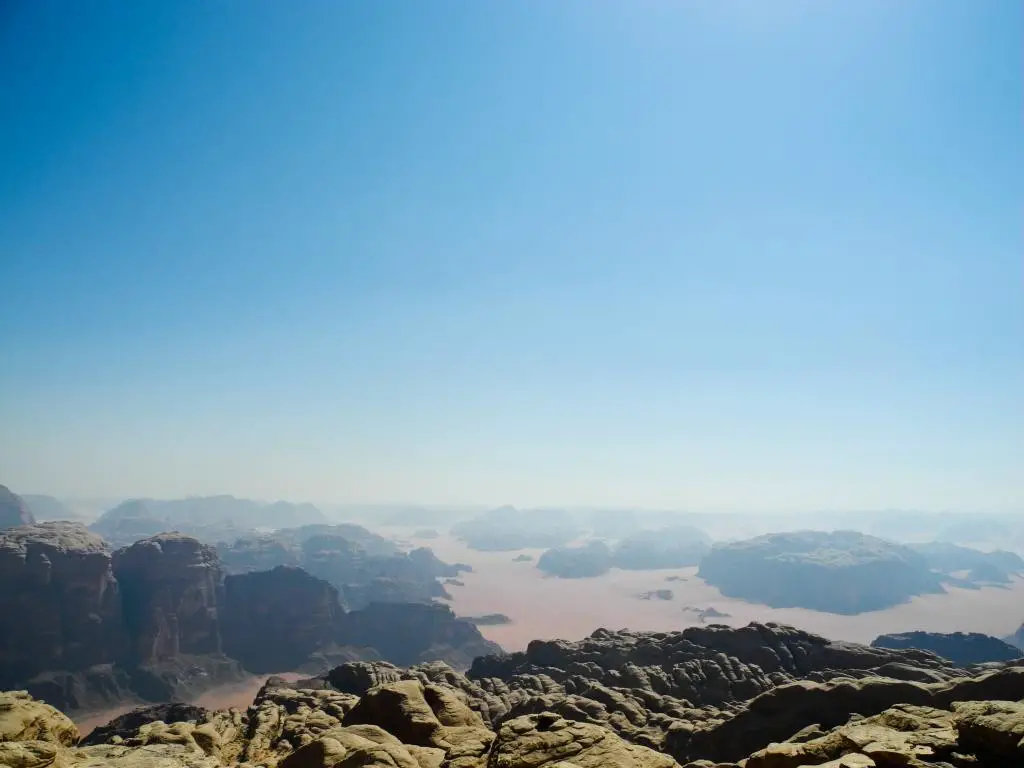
x,y
86,628
60,605
172,586
273,621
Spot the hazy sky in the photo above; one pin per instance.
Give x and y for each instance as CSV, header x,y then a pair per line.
x,y
710,255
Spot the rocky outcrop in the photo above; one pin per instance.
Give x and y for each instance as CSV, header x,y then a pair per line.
x,y
13,509
412,633
963,648
781,712
971,733
60,605
679,546
549,740
85,628
171,587
22,718
432,717
839,572
273,621
365,568
577,562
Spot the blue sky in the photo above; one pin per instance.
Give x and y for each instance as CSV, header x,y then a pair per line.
x,y
729,255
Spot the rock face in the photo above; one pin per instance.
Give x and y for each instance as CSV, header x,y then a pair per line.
x,y
364,567
13,509
172,586
85,628
60,605
413,633
839,572
273,621
963,648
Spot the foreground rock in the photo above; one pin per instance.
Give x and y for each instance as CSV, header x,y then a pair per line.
x,y
839,572
971,733
432,717
963,648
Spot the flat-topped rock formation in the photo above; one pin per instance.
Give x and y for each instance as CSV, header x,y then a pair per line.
x,y
963,648
838,572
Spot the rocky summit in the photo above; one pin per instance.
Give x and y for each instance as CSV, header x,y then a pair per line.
x,y
763,696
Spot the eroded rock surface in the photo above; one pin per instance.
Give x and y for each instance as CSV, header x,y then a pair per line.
x,y
60,606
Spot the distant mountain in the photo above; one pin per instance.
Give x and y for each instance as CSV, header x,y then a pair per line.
x,y
49,508
951,558
13,509
579,562
209,518
678,546
508,528
838,572
962,648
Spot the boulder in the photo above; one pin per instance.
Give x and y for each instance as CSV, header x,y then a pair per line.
x,y
547,740
22,718
993,730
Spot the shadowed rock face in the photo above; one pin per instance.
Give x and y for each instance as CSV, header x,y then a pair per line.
x,y
172,586
60,606
274,620
13,509
411,633
962,648
839,572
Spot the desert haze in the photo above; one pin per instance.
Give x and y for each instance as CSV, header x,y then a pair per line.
x,y
548,607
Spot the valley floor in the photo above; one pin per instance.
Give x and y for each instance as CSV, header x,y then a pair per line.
x,y
546,607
